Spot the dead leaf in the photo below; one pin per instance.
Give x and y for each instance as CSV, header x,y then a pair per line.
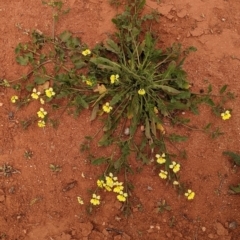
x,y
100,88
69,186
43,87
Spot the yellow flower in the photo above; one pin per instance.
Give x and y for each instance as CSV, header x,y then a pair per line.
x,y
35,94
118,187
41,113
122,197
86,52
141,91
100,183
190,194
95,199
14,98
106,107
110,180
161,159
163,174
175,167
80,201
109,189
114,78
226,115
89,82
42,101
49,92
155,110
41,123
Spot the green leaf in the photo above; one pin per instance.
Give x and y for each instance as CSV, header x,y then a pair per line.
x,y
177,138
143,157
118,163
65,36
105,63
22,60
223,89
112,47
141,4
40,80
153,126
168,89
116,99
209,88
81,102
149,40
147,129
105,140
183,95
235,189
171,68
94,112
99,161
235,157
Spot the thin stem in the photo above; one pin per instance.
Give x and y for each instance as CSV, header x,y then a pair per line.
x,y
29,73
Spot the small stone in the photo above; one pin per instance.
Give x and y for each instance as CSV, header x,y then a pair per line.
x,y
105,232
221,231
149,188
223,19
203,229
118,237
182,13
125,237
211,236
86,228
169,235
1,104
233,225
126,131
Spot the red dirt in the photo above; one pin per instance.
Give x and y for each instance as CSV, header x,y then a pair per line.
x,y
33,204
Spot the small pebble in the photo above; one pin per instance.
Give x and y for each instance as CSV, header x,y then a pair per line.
x,y
126,131
233,225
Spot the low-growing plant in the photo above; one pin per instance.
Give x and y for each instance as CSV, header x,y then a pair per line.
x,y
236,159
128,82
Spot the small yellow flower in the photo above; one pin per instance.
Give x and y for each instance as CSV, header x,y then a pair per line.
x,y
190,194
14,99
35,94
106,107
86,52
42,101
41,123
80,201
163,174
118,187
49,92
100,183
175,183
41,113
114,78
89,82
175,167
108,188
122,197
95,199
155,110
161,159
141,91
226,115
